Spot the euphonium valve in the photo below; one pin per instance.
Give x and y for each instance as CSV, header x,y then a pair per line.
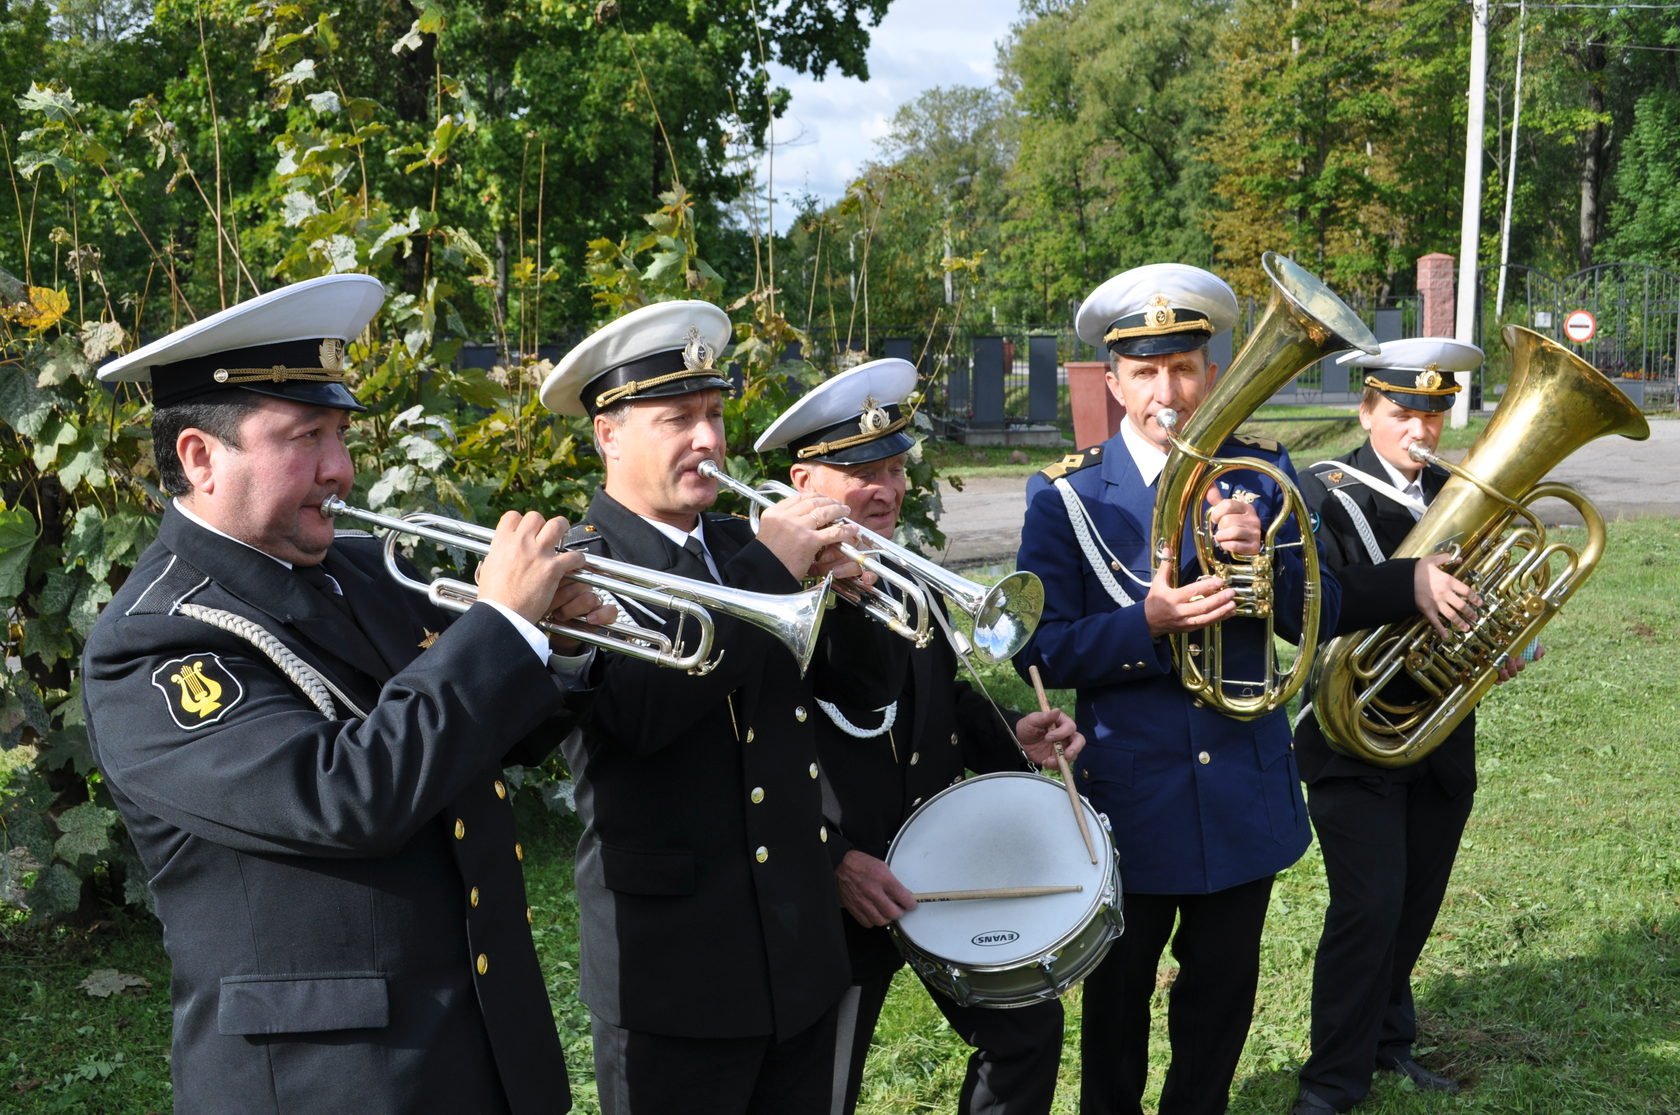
x,y
1302,323
1554,403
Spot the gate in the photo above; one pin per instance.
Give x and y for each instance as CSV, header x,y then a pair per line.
x,y
1636,307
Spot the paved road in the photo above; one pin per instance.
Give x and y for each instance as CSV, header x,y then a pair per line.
x,y
1622,478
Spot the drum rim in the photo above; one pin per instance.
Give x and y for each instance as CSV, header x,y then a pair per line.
x,y
1111,878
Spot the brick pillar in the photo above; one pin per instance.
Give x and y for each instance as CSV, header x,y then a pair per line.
x,y
1435,274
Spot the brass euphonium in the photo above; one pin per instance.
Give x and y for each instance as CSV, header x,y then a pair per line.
x,y
1554,403
1302,323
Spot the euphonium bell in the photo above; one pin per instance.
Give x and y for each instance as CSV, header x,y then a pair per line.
x,y
1302,323
1554,403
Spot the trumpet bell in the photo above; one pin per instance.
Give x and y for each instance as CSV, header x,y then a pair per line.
x,y
1007,616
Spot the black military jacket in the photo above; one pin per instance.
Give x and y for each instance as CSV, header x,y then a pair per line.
x,y
342,898
942,727
704,887
1373,594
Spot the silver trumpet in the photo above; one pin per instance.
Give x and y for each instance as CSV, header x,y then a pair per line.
x,y
793,618
1004,615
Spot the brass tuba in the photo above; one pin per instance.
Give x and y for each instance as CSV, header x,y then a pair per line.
x,y
1302,323
1554,404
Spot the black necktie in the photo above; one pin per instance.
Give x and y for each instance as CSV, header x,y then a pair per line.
x,y
316,578
697,550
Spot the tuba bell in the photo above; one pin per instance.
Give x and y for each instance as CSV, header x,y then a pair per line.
x,y
1302,323
1554,404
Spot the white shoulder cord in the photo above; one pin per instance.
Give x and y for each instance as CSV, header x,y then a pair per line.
x,y
834,714
1381,487
1361,525
314,684
1079,518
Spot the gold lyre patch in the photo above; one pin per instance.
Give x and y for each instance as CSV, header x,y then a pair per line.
x,y
198,689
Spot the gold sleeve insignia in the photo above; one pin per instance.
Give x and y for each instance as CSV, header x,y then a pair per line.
x,y
198,689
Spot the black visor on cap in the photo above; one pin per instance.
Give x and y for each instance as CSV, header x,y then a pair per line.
x,y
1160,344
658,376
850,443
295,370
1158,331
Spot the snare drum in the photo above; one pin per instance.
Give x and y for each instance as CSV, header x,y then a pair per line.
x,y
1005,830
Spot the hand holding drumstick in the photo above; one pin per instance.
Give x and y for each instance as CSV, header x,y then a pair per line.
x,y
1063,752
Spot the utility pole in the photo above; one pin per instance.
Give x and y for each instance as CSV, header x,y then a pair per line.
x,y
1471,226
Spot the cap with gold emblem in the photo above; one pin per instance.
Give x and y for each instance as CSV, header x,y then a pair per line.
x,y
855,417
1416,373
288,343
668,348
1157,309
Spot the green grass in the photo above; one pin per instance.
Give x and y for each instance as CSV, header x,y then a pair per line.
x,y
1551,984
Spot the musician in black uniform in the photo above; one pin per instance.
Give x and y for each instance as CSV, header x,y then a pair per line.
x,y
1388,834
317,798
712,959
848,439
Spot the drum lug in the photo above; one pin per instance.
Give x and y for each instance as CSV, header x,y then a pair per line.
x,y
961,993
1048,963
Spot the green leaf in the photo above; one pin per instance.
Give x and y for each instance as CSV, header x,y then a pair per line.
x,y
17,542
102,983
55,433
64,365
23,405
67,748
57,890
100,339
54,104
85,831
16,865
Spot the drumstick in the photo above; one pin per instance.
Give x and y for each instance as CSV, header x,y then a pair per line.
x,y
994,892
1067,775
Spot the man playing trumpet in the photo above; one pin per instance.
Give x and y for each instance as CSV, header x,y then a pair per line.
x,y
318,800
847,439
712,962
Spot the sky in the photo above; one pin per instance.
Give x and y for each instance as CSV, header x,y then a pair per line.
x,y
830,128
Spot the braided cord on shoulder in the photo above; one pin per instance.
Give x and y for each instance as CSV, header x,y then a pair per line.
x,y
1079,518
314,685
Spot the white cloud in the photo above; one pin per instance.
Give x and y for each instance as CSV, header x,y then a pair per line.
x,y
831,127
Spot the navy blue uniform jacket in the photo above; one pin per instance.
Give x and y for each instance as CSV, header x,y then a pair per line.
x,y
1199,802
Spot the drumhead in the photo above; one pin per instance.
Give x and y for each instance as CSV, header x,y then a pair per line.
x,y
999,830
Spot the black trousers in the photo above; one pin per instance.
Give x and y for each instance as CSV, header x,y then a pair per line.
x,y
1012,1071
1217,946
1388,844
640,1073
